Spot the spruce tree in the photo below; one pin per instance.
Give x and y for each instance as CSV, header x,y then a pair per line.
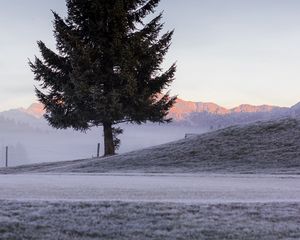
x,y
106,69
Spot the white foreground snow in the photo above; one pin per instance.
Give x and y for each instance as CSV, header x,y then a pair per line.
x,y
151,188
147,221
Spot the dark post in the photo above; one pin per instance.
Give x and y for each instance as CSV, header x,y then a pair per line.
x,y
98,150
6,156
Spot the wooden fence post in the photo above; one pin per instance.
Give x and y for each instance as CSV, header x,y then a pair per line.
x,y
6,156
98,150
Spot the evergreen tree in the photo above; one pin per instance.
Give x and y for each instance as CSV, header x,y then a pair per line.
x,y
107,67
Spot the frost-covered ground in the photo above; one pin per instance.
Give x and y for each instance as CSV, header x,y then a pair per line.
x,y
189,189
136,221
151,188
149,206
269,147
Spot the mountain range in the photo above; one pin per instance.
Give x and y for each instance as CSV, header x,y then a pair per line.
x,y
211,116
183,109
202,114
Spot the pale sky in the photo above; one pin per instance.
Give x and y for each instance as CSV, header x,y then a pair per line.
x,y
228,51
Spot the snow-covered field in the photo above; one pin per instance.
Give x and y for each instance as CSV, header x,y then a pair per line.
x,y
152,188
139,206
142,221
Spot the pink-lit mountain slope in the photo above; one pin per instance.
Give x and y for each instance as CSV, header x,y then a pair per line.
x,y
183,109
35,109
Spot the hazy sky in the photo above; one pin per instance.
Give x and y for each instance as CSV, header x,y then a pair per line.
x,y
228,51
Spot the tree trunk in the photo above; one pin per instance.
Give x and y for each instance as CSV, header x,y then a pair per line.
x,y
109,147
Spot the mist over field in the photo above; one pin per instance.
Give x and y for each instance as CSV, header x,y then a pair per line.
x,y
28,144
30,139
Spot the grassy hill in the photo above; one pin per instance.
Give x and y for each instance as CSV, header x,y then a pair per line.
x,y
263,147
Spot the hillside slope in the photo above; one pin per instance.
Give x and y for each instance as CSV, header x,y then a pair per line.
x,y
268,147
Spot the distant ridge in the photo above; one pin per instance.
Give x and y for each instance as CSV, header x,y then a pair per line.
x,y
35,109
205,115
183,108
